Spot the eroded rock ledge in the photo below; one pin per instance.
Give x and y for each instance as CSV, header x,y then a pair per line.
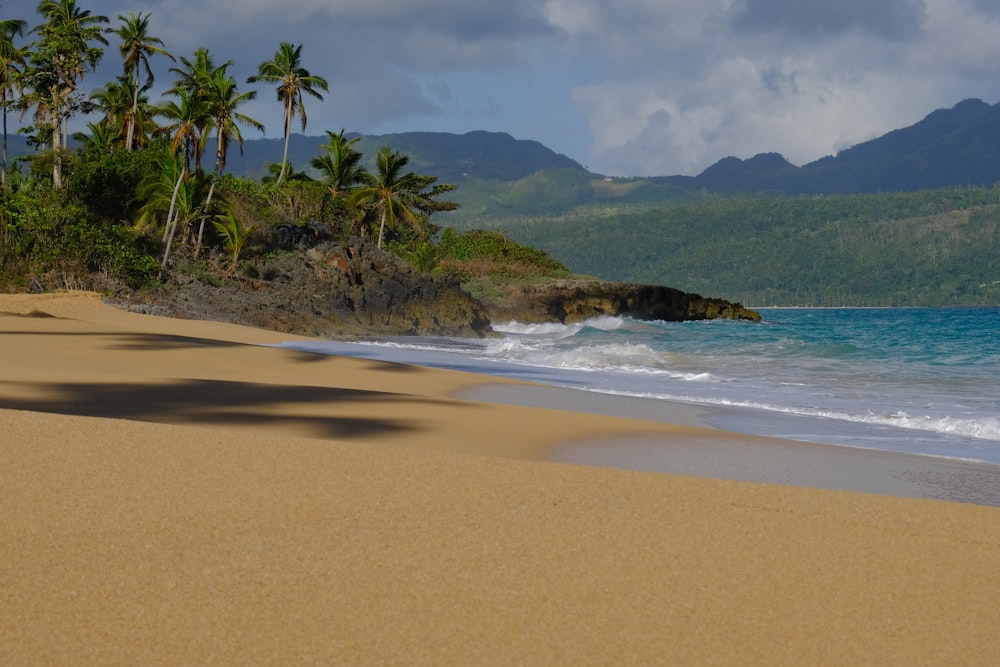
x,y
569,301
355,290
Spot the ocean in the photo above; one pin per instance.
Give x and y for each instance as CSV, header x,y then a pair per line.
x,y
922,381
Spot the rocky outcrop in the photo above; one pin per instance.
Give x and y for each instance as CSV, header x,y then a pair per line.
x,y
570,301
354,289
330,290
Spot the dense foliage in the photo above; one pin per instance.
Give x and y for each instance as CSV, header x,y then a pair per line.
x,y
138,197
932,247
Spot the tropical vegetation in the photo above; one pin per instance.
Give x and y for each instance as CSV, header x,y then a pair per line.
x,y
144,190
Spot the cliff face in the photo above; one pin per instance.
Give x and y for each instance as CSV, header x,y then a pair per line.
x,y
570,301
354,289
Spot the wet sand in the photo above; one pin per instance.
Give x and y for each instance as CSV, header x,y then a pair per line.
x,y
174,493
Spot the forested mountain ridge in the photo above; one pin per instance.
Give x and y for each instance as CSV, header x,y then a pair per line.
x,y
924,248
452,157
948,148
952,147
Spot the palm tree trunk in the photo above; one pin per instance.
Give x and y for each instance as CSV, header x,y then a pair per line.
x,y
381,229
171,228
56,151
288,133
204,215
135,111
3,166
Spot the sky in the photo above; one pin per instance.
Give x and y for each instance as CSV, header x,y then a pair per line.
x,y
624,87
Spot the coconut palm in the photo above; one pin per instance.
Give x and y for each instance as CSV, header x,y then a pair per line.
x,y
293,80
340,164
101,138
223,100
136,49
114,100
11,59
390,193
186,120
195,74
196,78
60,58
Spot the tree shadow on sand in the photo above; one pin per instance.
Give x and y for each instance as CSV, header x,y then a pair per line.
x,y
219,403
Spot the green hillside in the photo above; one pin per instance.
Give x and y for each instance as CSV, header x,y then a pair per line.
x,y
932,247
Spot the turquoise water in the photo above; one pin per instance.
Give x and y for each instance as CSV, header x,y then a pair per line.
x,y
923,381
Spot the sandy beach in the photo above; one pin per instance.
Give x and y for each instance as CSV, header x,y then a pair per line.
x,y
177,492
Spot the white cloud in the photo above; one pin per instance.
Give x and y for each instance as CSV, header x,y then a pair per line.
x,y
664,86
770,77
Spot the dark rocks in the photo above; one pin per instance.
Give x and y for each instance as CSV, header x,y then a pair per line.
x,y
569,301
330,290
354,290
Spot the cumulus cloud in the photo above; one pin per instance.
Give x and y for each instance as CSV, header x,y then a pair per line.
x,y
805,79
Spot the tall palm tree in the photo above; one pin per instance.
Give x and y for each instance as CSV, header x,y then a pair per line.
x,y
60,58
223,100
187,116
186,120
392,194
11,59
195,74
340,164
114,100
293,80
137,48
196,79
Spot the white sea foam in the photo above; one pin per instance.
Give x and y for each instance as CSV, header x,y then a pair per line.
x,y
980,429
557,330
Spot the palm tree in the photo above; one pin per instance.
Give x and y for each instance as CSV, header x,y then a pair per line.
x,y
196,78
195,75
391,194
136,48
293,80
339,163
11,58
187,116
101,138
186,120
223,100
60,58
115,102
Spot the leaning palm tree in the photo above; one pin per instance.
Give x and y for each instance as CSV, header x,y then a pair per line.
x,y
340,164
11,59
293,80
136,48
392,194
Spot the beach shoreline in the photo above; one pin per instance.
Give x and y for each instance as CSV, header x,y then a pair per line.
x,y
182,491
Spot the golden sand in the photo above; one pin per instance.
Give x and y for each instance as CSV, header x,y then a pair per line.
x,y
172,492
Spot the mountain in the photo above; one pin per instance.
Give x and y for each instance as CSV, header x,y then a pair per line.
x,y
948,148
453,158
